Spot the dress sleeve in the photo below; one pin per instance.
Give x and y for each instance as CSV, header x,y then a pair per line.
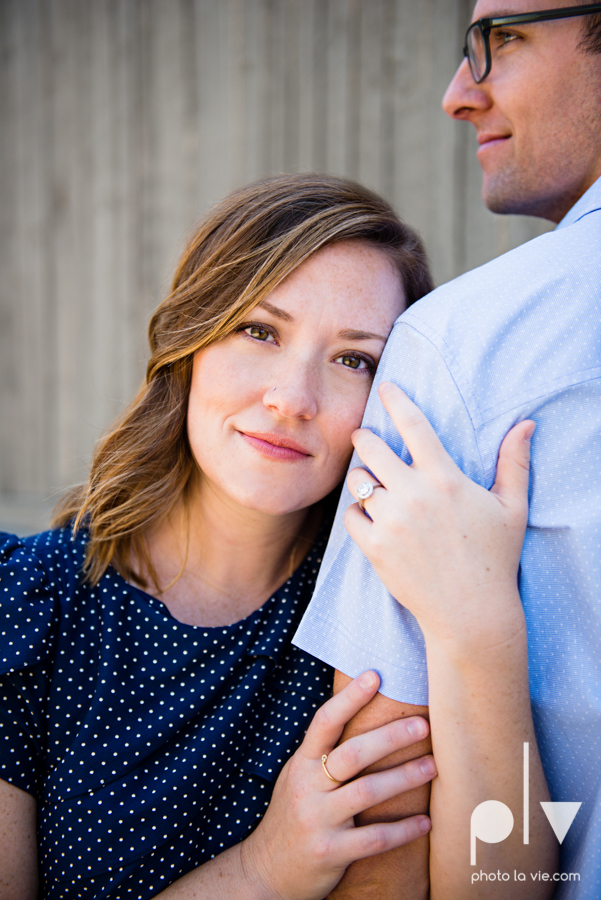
x,y
27,622
352,622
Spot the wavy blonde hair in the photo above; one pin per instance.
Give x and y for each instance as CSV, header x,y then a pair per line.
x,y
238,254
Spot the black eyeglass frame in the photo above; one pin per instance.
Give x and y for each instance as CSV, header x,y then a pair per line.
x,y
486,25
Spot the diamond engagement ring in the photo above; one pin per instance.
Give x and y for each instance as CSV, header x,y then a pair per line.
x,y
365,490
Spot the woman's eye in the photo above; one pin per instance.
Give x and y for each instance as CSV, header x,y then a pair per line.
x,y
258,333
354,362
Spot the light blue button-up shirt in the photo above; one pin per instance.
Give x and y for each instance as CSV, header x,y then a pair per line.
x,y
518,338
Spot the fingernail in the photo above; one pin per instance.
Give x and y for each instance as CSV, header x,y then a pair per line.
x,y
368,680
425,825
530,431
385,386
428,766
417,728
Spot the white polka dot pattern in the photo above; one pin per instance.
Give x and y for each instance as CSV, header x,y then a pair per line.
x,y
151,745
518,338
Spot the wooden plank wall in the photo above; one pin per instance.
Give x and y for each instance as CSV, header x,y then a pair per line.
x,y
122,121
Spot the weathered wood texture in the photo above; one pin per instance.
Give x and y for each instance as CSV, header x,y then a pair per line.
x,y
122,121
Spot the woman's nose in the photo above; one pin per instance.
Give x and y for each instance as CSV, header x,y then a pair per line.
x,y
293,395
463,96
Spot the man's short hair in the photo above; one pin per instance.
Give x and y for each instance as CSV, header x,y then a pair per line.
x,y
591,39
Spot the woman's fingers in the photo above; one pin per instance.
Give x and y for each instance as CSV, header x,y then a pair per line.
x,y
363,750
370,840
369,790
420,438
417,433
307,836
329,720
513,466
387,467
357,480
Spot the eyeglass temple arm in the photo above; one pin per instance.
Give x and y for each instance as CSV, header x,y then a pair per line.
x,y
566,12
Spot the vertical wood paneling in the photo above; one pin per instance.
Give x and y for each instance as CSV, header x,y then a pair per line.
x,y
307,78
341,86
8,246
75,224
122,121
33,350
371,90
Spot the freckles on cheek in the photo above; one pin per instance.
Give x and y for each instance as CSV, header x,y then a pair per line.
x,y
353,416
346,423
340,460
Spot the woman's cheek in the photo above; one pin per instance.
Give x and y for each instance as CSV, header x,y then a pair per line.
x,y
348,419
354,410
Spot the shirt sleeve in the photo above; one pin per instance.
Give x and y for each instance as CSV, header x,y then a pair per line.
x,y
352,622
26,633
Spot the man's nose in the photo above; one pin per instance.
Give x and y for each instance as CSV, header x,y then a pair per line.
x,y
463,96
293,395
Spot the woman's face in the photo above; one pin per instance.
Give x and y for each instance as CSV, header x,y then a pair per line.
x,y
272,407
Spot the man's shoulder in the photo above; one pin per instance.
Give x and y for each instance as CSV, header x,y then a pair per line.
x,y
502,339
555,274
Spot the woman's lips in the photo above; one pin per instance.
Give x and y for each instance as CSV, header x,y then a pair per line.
x,y
274,446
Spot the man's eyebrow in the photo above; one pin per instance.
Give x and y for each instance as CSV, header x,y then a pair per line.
x,y
352,335
499,14
275,311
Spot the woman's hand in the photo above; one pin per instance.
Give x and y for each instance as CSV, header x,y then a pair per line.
x,y
446,548
308,837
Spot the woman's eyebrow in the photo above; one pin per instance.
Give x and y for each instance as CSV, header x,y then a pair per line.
x,y
275,311
352,335
349,334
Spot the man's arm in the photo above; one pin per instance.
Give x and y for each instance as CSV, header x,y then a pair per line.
x,y
400,874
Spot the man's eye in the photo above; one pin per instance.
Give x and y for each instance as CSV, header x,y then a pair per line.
x,y
354,362
258,333
504,37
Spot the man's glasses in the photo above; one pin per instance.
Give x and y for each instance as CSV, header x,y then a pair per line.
x,y
477,38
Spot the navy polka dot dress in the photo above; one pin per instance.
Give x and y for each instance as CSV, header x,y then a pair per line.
x,y
151,746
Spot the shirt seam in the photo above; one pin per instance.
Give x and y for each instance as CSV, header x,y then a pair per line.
x,y
438,350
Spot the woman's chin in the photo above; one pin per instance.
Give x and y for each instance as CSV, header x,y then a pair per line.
x,y
275,507
265,494
277,503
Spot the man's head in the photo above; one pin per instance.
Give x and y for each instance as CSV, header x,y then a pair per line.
x,y
538,113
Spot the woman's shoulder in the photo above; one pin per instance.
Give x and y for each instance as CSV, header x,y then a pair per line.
x,y
35,573
45,558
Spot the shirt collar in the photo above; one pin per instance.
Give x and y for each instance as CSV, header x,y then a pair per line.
x,y
589,202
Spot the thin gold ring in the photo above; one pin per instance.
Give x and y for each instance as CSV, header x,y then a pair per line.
x,y
324,760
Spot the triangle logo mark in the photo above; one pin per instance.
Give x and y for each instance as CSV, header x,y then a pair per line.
x,y
560,816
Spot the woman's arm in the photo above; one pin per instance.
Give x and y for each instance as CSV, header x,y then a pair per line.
x,y
308,837
18,849
449,551
480,714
